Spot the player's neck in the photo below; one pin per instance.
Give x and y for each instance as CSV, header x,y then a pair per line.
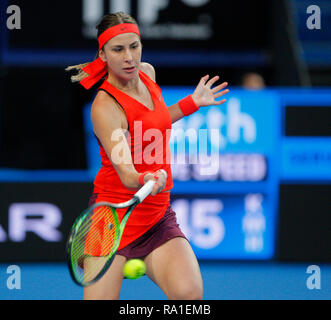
x,y
123,84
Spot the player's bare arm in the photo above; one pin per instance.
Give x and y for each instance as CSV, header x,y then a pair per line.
x,y
109,126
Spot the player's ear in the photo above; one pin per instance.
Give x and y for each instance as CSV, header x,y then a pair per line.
x,y
102,55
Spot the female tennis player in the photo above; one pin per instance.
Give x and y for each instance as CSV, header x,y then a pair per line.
x,y
131,123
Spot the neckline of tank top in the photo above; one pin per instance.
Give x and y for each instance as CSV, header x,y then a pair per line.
x,y
150,90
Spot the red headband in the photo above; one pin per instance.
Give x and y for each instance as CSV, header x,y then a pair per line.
x,y
116,30
98,68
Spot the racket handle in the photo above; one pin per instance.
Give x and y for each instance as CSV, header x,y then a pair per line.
x,y
144,191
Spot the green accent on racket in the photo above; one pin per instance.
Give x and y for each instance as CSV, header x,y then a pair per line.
x,y
95,237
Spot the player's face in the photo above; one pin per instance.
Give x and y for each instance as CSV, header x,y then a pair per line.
x,y
123,55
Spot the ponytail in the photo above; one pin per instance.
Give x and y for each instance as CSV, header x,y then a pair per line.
x,y
80,75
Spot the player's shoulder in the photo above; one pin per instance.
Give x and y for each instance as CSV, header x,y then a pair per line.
x,y
148,69
103,100
102,103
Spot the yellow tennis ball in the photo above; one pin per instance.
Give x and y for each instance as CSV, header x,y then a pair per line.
x,y
134,269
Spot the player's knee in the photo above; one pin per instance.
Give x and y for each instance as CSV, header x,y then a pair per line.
x,y
101,297
188,292
195,294
100,294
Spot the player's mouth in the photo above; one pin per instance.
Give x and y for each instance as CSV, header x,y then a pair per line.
x,y
130,69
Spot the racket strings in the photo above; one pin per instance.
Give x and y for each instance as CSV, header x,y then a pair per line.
x,y
93,243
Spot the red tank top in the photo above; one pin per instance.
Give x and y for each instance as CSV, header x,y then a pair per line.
x,y
148,139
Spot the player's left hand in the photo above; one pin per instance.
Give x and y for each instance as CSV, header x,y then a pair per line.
x,y
160,178
205,95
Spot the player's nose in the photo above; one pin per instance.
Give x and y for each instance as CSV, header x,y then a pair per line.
x,y
128,55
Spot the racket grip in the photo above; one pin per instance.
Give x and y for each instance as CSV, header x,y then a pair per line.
x,y
144,191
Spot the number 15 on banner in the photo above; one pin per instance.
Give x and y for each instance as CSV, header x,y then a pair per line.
x,y
200,221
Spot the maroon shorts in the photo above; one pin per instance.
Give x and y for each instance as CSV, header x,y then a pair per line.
x,y
167,228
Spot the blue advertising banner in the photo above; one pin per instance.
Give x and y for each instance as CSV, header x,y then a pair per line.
x,y
228,227
305,156
306,159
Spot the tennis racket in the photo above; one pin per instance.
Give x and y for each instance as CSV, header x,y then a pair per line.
x,y
95,237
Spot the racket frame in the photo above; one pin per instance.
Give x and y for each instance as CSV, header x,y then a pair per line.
x,y
137,198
